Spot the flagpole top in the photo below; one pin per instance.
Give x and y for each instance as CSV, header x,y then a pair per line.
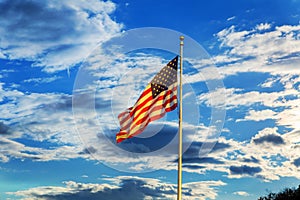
x,y
181,38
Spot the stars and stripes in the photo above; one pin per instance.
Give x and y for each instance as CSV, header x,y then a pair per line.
x,y
159,97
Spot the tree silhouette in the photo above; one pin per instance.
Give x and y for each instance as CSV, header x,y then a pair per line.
x,y
286,194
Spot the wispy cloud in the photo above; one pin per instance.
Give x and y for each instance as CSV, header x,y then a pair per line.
x,y
266,51
242,193
263,26
231,18
236,97
42,80
259,115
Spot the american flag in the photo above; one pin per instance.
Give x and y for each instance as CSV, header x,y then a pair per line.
x,y
159,97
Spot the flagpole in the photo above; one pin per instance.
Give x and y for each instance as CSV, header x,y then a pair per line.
x,y
180,124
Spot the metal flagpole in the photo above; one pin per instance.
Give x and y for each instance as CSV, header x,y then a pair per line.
x,y
180,124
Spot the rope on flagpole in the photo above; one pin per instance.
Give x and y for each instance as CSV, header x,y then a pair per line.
x,y
179,183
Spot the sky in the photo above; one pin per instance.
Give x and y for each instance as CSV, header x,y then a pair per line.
x,y
68,68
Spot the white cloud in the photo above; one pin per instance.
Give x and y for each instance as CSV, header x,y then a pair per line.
x,y
260,115
231,18
267,156
267,52
242,193
290,116
263,26
39,117
42,80
235,98
269,82
59,33
12,149
229,37
2,55
274,153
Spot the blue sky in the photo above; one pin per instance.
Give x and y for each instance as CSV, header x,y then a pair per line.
x,y
67,68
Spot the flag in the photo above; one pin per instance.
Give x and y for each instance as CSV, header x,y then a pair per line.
x,y
159,97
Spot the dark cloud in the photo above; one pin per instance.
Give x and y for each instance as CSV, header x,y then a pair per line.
x,y
59,33
193,167
194,149
4,142
191,155
88,100
35,21
201,160
251,160
271,138
297,162
84,101
244,170
89,150
108,193
4,129
133,189
62,103
219,146
162,137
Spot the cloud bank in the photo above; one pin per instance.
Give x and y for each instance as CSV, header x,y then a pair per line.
x,y
54,34
123,187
